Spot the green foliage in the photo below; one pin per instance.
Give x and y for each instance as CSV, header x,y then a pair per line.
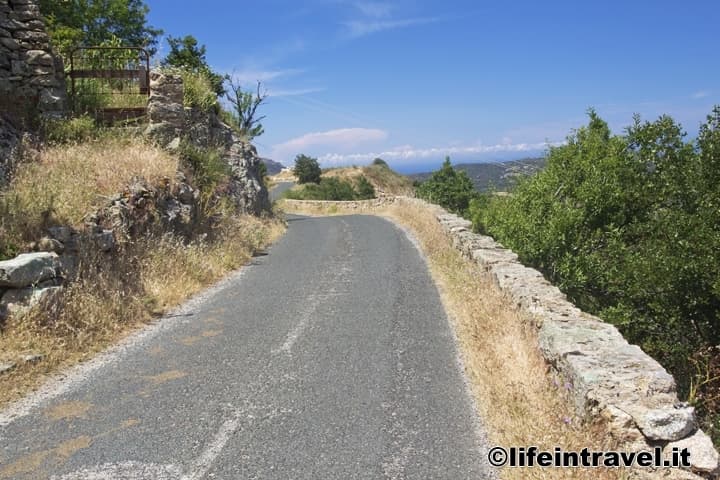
x,y
364,188
330,188
208,171
72,130
72,23
307,169
380,162
198,91
629,227
188,56
245,105
452,189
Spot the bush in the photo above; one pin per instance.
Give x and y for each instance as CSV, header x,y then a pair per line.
x,y
380,162
452,189
328,189
307,169
628,226
365,190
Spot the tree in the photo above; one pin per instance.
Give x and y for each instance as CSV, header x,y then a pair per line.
x,y
449,188
245,104
185,53
307,169
73,23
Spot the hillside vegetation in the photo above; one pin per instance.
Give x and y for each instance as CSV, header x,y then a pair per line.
x,y
346,183
498,176
64,183
628,226
384,179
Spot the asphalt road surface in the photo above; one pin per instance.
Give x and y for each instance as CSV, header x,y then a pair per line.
x,y
329,358
277,191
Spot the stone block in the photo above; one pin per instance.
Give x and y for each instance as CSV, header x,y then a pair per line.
x,y
29,269
39,57
703,456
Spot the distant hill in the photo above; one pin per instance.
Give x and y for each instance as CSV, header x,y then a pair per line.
x,y
385,180
501,175
273,167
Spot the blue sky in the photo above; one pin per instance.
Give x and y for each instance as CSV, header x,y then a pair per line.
x,y
414,81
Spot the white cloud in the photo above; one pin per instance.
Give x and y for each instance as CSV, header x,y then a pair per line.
x,y
340,139
701,94
360,28
407,152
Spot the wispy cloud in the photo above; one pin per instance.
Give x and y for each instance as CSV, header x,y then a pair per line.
x,y
293,92
247,76
339,139
360,28
375,9
701,94
407,152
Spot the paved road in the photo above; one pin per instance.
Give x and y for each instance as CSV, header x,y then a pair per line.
x,y
351,373
277,191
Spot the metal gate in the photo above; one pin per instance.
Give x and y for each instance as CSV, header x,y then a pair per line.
x,y
110,83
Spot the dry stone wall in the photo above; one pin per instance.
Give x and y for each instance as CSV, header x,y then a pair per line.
x,y
31,75
611,379
32,80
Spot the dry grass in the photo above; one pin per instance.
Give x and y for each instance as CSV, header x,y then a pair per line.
x,y
520,401
116,295
65,183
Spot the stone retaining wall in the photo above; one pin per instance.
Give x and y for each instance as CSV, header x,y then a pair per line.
x,y
354,205
610,378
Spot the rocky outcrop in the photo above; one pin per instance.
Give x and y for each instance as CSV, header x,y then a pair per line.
x,y
170,122
609,378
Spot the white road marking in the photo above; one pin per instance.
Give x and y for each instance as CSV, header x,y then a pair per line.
x,y
150,471
125,471
202,464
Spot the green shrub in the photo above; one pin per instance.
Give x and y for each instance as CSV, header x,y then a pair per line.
x,y
328,189
365,189
452,189
629,227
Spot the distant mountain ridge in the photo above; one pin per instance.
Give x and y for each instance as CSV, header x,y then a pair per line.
x,y
499,175
273,167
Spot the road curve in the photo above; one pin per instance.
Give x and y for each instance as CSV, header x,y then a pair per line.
x,y
329,358
277,191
